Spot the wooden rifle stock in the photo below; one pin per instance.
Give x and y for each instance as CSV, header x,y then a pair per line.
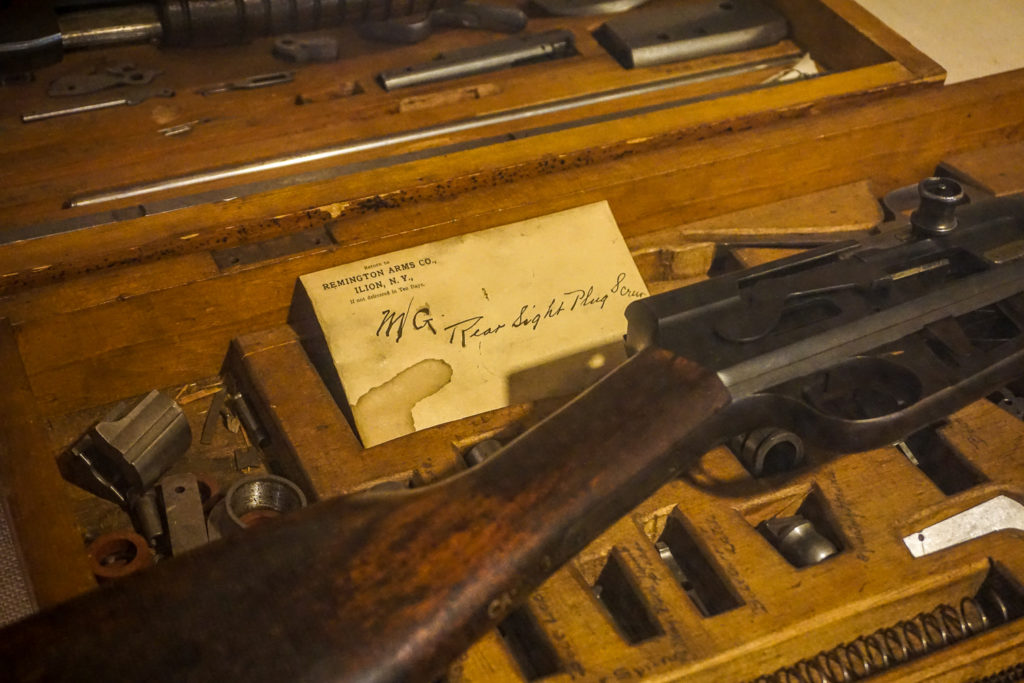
x,y
386,586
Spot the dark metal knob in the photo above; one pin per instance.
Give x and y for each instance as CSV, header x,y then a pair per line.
x,y
937,213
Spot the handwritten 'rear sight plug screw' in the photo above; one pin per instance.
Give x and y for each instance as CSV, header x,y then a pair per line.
x,y
937,213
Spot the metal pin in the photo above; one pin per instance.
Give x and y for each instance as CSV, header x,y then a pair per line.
x,y
128,99
250,82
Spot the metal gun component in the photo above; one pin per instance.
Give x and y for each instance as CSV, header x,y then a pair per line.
x,y
83,84
936,214
34,34
415,135
482,59
108,26
587,8
462,15
306,50
857,344
996,514
212,417
129,99
252,426
688,31
247,458
145,513
123,456
183,510
768,451
249,83
481,452
255,499
797,539
182,128
118,554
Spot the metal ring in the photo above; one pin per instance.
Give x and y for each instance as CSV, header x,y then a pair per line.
x,y
255,499
118,554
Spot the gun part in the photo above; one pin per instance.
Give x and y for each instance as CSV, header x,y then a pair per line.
x,y
83,84
250,83
255,499
240,407
34,34
463,15
129,99
768,451
936,214
797,539
828,343
481,452
382,142
482,59
306,50
997,514
117,554
119,459
587,8
183,510
688,31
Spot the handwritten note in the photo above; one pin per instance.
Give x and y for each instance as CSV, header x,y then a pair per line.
x,y
435,333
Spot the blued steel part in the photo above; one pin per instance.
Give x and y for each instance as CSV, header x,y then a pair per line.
x,y
252,425
224,22
106,26
482,59
395,139
769,450
145,442
936,214
305,50
797,539
257,497
84,84
996,514
212,417
786,337
183,510
145,512
688,31
118,554
481,452
128,99
587,8
462,15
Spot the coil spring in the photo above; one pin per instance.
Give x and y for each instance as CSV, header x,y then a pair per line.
x,y
892,646
1008,675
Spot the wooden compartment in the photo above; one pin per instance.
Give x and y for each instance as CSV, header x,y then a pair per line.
x,y
375,192
193,297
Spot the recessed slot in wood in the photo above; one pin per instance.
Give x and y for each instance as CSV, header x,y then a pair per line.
x,y
690,564
940,461
801,529
997,601
624,603
528,645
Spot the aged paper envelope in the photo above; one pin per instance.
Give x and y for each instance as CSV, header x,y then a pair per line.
x,y
438,332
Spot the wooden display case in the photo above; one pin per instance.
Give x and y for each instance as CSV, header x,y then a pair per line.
x,y
192,298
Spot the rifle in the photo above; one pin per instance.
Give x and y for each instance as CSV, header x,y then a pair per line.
x,y
852,345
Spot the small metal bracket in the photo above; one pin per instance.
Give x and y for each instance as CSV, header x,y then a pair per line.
x,y
247,254
672,34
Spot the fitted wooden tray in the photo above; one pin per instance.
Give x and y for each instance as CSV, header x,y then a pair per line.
x,y
97,316
47,163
